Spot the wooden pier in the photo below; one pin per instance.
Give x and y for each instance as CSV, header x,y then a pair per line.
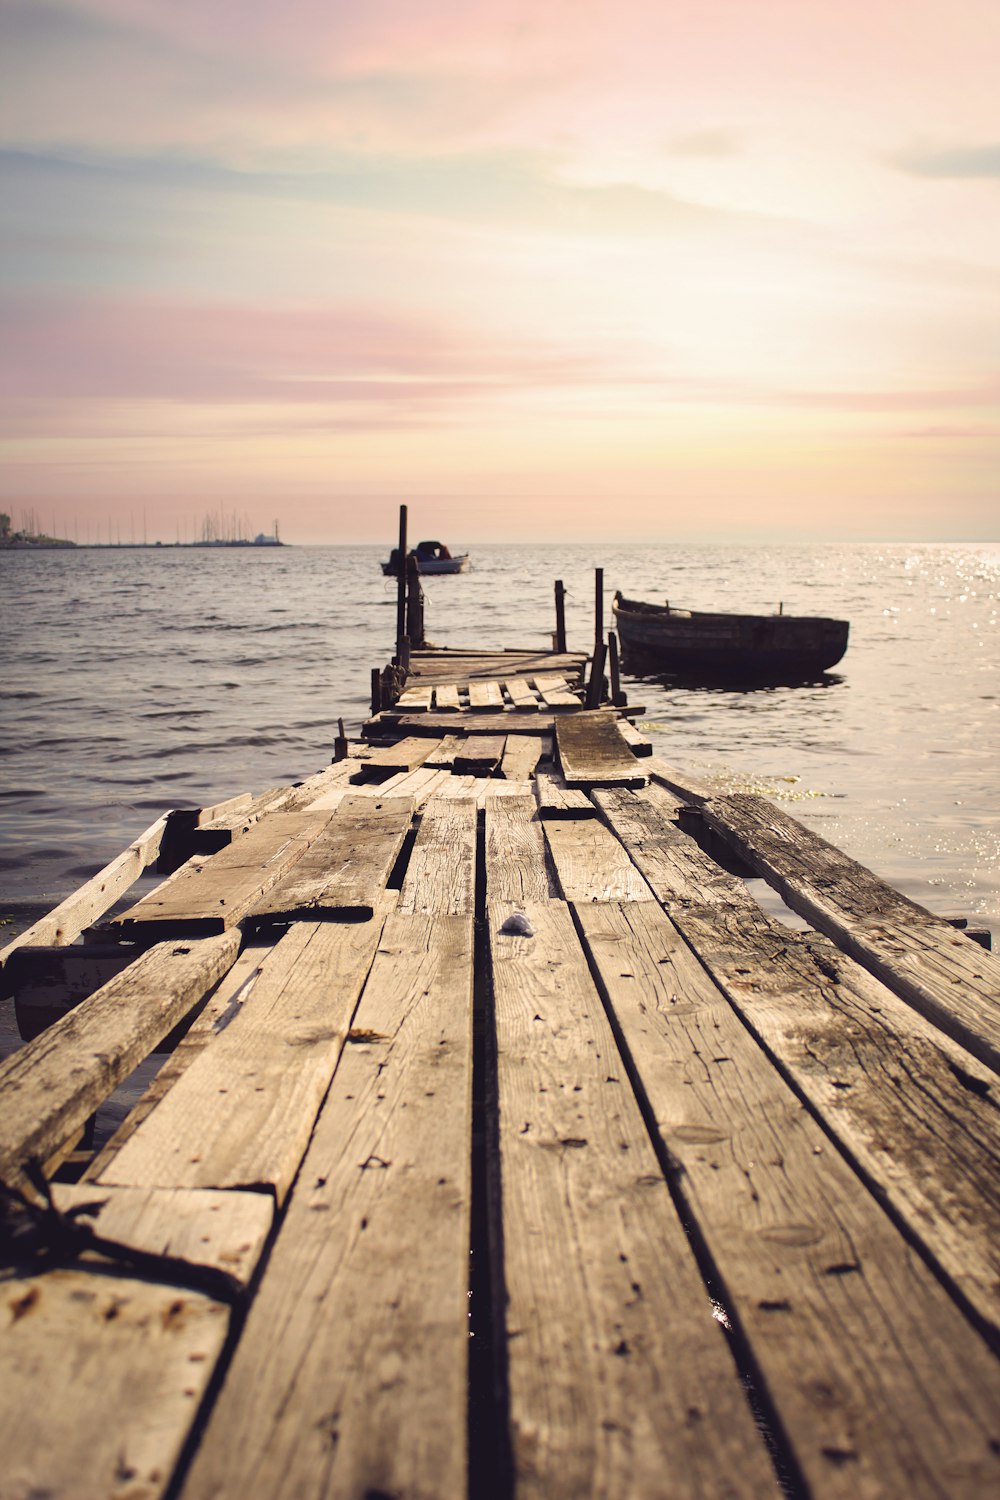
x,y
502,1145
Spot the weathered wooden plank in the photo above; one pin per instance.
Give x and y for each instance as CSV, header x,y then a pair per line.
x,y
390,760
222,1003
213,896
948,978
441,873
202,830
486,697
619,1385
915,1113
436,725
637,743
66,921
242,1113
555,800
226,1231
879,1383
480,755
416,699
442,755
102,1378
346,868
521,693
350,1376
521,755
592,752
516,865
53,1084
446,699
684,785
591,864
555,693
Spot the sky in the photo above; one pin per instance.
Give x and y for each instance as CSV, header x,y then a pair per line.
x,y
564,269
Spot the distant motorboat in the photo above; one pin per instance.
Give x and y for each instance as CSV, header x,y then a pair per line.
x,y
695,644
432,557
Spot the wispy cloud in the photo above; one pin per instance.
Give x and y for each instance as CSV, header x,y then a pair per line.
x,y
950,161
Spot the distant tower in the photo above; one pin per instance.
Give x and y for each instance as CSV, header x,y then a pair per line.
x,y
276,529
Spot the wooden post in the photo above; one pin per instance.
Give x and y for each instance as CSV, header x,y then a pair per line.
x,y
618,698
560,641
598,608
376,690
340,743
414,603
404,655
595,686
401,583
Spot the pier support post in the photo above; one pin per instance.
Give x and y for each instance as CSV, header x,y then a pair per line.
x,y
598,608
618,698
401,583
595,687
414,603
560,640
376,691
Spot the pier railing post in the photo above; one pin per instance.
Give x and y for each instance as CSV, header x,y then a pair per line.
x,y
414,603
595,687
618,698
401,583
560,640
598,608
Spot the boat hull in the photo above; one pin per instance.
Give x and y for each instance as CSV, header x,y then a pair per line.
x,y
431,565
776,648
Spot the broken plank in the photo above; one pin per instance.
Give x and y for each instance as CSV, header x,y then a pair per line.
x,y
222,1003
441,873
521,755
817,1278
346,868
446,699
555,800
390,760
637,743
591,864
442,755
555,693
938,970
480,755
242,1113
618,1384
486,697
220,892
682,783
350,1377
516,866
52,1085
416,699
521,694
592,752
66,921
224,1231
102,1378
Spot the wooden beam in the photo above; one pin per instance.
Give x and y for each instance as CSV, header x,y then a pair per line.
x,y
592,752
52,1085
242,1114
819,1281
610,1346
344,871
351,1374
942,973
66,921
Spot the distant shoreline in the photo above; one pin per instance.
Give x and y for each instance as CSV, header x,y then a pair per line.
x,y
57,545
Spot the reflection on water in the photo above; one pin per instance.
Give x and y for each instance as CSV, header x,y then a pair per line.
x,y
140,680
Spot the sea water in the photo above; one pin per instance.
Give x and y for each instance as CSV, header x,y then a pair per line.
x,y
140,679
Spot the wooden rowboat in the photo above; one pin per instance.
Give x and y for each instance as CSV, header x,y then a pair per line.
x,y
695,644
432,557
